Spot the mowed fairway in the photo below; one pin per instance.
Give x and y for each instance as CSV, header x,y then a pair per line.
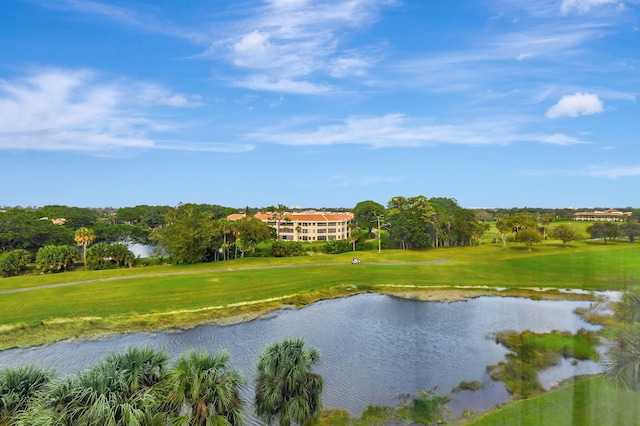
x,y
161,297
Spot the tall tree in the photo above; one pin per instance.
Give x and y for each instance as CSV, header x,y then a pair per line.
x,y
84,237
598,230
504,226
564,233
209,390
529,236
286,390
466,226
515,223
189,235
631,230
445,209
277,214
354,234
410,220
545,219
366,214
250,232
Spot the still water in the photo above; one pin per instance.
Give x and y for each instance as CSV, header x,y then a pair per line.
x,y
374,348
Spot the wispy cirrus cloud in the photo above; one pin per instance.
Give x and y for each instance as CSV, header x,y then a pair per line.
x,y
398,130
78,110
614,172
493,59
294,40
584,6
126,16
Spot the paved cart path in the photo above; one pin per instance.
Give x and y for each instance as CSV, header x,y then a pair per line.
x,y
205,271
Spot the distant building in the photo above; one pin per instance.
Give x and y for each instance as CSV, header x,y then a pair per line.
x,y
60,221
307,226
610,215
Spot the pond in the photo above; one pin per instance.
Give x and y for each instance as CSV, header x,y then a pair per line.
x,y
375,348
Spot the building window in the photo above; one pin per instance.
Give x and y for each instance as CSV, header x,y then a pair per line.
x,y
322,238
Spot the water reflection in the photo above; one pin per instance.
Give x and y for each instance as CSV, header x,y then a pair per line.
x,y
374,347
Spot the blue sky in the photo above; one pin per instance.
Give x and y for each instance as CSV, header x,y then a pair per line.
x,y
496,103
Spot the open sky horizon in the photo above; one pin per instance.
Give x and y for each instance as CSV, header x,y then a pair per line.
x,y
496,103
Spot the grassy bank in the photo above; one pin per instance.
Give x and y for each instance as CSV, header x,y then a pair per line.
x,y
161,297
592,401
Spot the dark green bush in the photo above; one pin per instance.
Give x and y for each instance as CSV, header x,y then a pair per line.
x,y
286,249
14,263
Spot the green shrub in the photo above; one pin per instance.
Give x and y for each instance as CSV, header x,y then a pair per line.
x,y
56,258
337,246
286,249
14,263
107,256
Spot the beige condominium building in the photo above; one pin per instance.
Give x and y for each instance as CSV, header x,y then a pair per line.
x,y
610,215
307,226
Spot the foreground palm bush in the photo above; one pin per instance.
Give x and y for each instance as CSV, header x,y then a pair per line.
x,y
286,390
205,384
623,366
18,388
124,389
137,388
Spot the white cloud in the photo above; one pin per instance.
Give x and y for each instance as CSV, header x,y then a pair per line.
x,y
398,130
583,6
295,40
179,101
615,172
252,50
560,139
74,110
575,105
125,16
348,66
283,85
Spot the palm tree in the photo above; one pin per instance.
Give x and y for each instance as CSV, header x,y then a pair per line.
x,y
204,390
628,309
286,390
623,365
140,368
84,237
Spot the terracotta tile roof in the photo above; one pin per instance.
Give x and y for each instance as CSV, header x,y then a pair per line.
x,y
301,217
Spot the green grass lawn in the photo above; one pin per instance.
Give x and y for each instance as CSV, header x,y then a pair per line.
x,y
592,401
158,297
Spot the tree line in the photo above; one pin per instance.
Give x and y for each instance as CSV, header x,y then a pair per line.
x,y
420,222
138,387
192,233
